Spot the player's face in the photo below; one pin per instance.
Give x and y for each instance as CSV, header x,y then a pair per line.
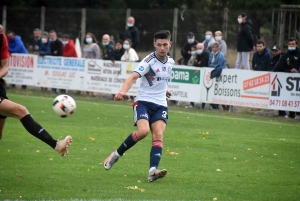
x,y
162,47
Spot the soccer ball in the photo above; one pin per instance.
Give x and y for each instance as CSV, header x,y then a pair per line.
x,y
64,105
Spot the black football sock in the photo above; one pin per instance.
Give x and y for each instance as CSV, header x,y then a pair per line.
x,y
130,141
155,154
37,130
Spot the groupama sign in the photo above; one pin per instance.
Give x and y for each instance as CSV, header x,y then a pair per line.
x,y
185,76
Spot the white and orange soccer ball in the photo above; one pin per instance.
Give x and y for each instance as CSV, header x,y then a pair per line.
x,y
64,105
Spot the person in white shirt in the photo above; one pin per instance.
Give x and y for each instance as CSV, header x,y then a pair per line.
x,y
150,106
130,54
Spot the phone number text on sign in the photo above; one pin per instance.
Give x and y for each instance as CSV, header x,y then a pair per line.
x,y
285,103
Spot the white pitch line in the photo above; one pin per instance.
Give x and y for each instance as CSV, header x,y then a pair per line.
x,y
181,112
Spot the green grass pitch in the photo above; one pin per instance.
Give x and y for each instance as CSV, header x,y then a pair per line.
x,y
209,156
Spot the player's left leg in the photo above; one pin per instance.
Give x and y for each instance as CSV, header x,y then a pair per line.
x,y
158,128
12,109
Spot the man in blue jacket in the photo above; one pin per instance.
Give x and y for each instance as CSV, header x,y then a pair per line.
x,y
262,57
16,45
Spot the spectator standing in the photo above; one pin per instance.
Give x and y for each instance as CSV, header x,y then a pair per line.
x,y
45,49
222,43
68,48
262,57
290,63
130,54
217,61
16,45
191,62
108,48
186,50
276,55
209,40
91,49
131,33
35,47
244,43
56,48
119,50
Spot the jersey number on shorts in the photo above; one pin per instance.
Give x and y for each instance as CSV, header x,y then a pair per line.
x,y
164,114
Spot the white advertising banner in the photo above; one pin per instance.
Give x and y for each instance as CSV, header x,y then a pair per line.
x,y
107,77
21,69
285,91
185,84
257,89
60,72
236,87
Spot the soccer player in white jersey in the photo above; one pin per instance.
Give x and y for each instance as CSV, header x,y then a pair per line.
x,y
150,104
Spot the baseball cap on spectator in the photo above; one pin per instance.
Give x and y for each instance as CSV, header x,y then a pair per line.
x,y
191,35
276,47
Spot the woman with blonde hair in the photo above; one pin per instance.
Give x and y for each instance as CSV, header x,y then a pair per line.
x,y
222,43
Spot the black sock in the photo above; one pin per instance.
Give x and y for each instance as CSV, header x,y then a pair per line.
x,y
130,141
37,130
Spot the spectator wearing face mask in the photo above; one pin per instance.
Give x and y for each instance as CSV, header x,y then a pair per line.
x,y
202,56
91,49
193,56
186,50
131,33
68,48
119,50
130,54
244,43
45,45
209,40
108,52
222,43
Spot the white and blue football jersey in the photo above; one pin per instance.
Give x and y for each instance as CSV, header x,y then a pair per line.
x,y
155,75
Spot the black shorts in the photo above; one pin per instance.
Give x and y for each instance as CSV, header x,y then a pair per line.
x,y
2,95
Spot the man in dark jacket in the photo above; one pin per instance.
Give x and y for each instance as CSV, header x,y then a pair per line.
x,y
56,48
276,54
131,33
290,63
186,50
108,52
202,56
244,43
262,57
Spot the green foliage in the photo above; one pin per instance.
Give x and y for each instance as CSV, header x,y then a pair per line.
x,y
209,156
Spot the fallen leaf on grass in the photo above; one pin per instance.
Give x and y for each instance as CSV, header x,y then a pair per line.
x,y
92,138
234,158
50,159
173,153
19,175
135,188
38,151
218,170
249,149
214,199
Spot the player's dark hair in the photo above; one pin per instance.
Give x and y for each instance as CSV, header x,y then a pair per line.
x,y
260,41
162,34
293,39
119,41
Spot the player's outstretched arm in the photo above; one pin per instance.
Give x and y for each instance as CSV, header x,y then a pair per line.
x,y
126,86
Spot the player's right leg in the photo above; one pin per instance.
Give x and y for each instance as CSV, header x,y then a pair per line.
x,y
12,109
142,122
